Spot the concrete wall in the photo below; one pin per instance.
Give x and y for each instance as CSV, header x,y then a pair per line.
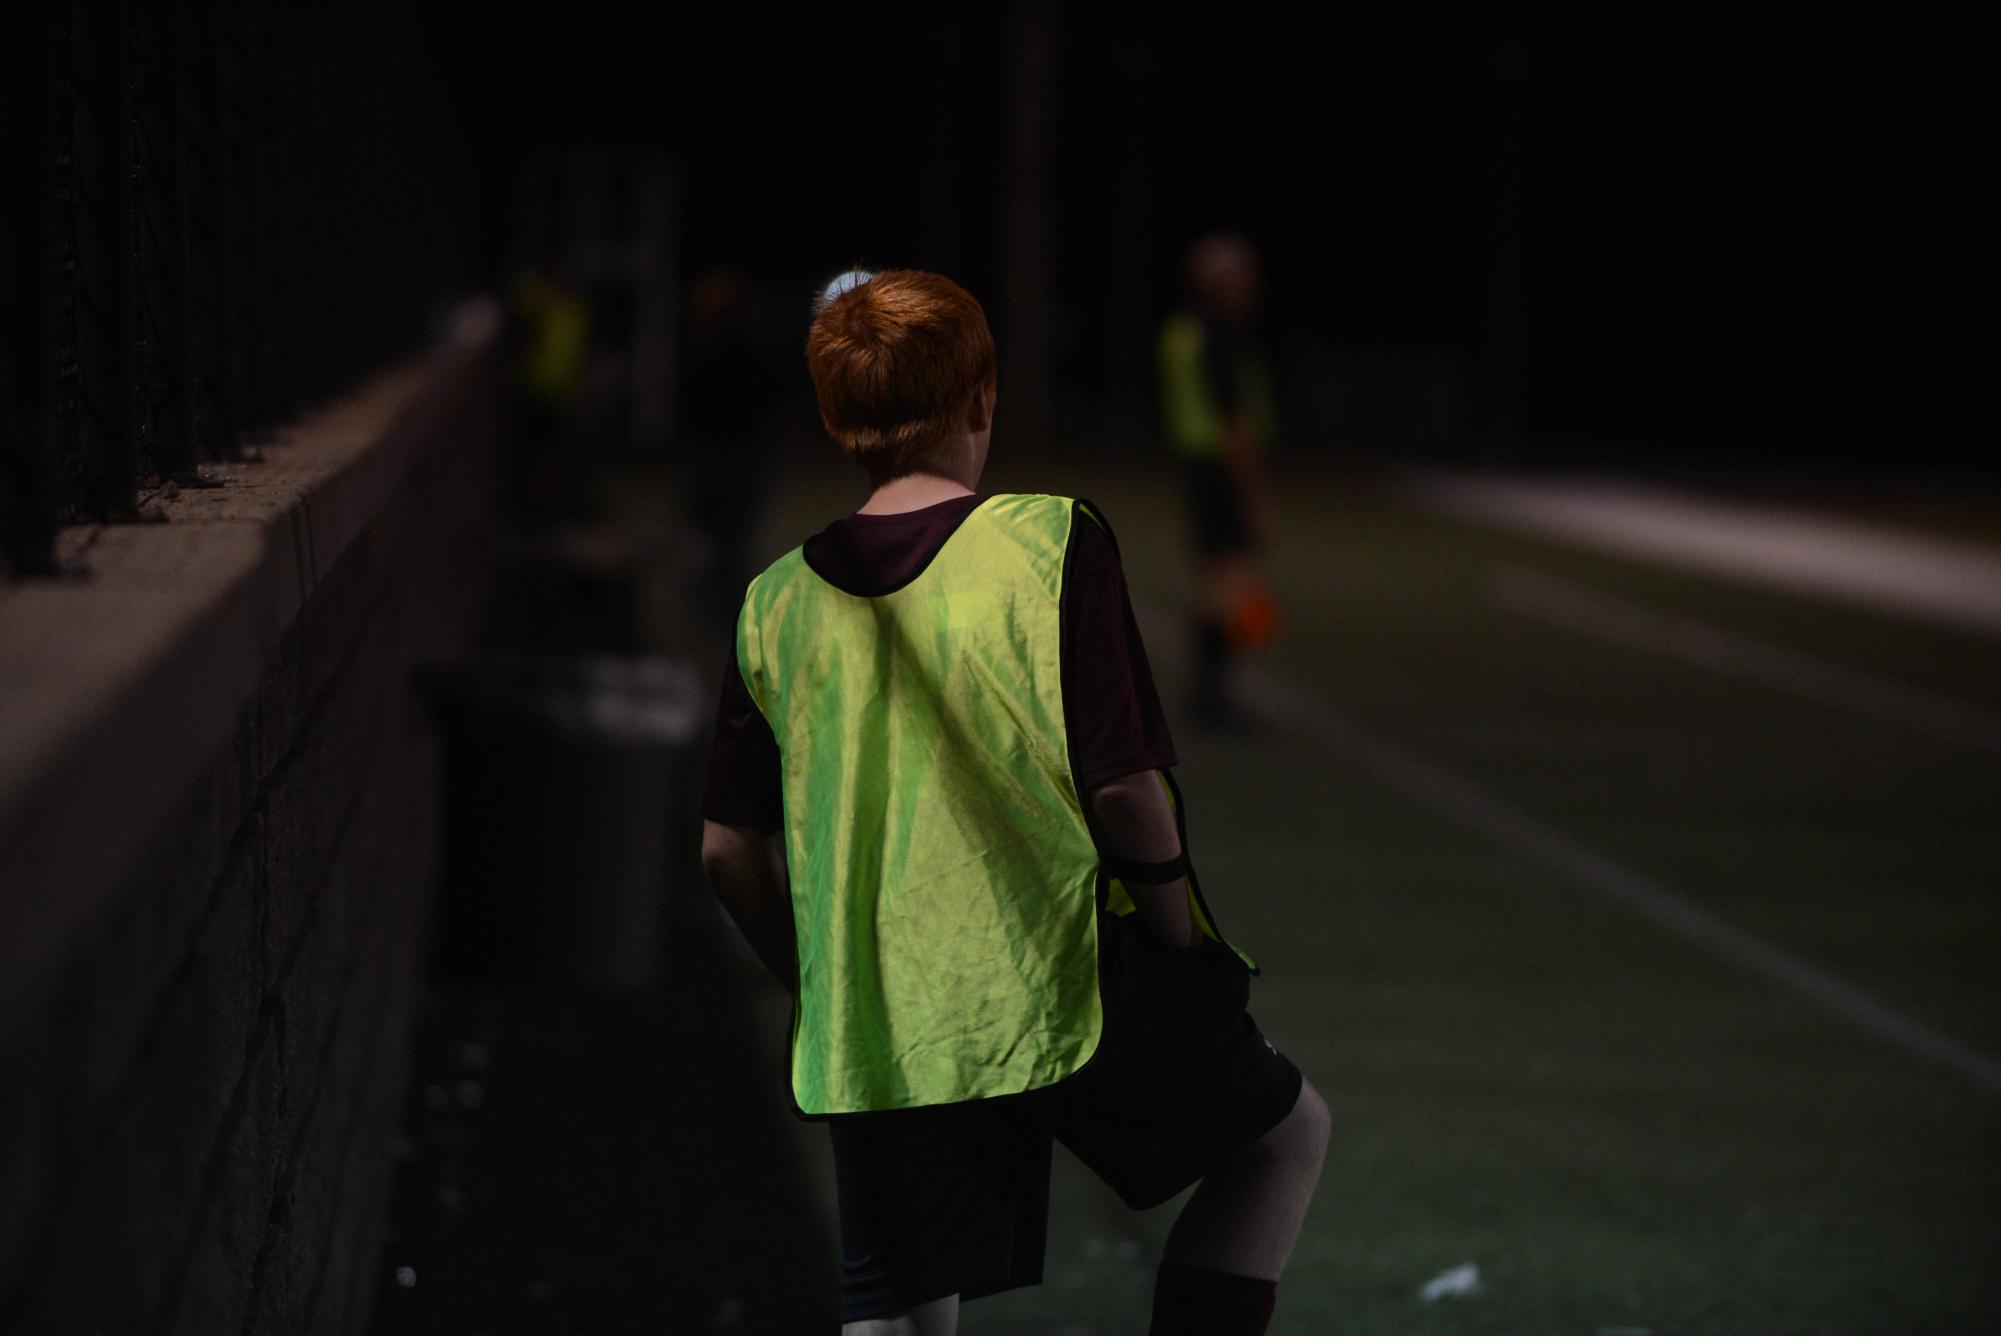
x,y
218,837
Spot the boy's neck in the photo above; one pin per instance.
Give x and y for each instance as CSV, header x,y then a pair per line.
x,y
912,491
946,470
949,468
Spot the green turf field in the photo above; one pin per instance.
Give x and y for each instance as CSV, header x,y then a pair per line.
x,y
1624,1129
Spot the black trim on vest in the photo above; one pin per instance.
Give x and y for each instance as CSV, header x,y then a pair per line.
x,y
1194,882
1080,509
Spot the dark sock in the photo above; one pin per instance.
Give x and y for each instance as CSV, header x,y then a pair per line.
x,y
1195,1301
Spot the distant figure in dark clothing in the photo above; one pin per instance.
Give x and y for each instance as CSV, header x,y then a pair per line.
x,y
728,388
1217,408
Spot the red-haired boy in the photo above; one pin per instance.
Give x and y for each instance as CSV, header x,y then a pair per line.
x,y
939,809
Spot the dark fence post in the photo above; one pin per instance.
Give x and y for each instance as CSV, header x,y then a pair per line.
x,y
161,353
278,142
219,196
232,208
30,104
97,451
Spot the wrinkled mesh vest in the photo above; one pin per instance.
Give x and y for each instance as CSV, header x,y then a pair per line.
x,y
943,875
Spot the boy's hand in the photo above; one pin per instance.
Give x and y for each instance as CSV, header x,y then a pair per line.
x,y
746,869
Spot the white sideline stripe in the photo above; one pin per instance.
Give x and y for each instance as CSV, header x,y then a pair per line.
x,y
1888,570
1595,871
1587,612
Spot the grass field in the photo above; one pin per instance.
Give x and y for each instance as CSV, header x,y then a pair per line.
x,y
1624,1128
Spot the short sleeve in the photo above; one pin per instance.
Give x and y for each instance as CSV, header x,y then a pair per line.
x,y
1117,726
745,786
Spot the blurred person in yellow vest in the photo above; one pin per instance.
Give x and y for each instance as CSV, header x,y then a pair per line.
x,y
554,339
1218,411
550,331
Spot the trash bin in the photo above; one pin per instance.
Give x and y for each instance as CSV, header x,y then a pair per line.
x,y
559,783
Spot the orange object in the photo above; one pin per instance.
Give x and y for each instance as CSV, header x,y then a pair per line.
x,y
1253,622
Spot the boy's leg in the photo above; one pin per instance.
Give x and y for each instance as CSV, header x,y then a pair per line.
x,y
1219,1272
1185,1088
1211,701
1246,1215
1215,533
946,1201
940,1317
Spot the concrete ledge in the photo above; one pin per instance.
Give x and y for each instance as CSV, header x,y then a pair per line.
x,y
117,687
219,808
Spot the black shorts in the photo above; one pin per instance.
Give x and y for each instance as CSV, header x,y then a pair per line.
x,y
1216,509
955,1199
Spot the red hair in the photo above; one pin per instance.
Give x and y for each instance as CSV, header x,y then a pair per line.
x,y
896,360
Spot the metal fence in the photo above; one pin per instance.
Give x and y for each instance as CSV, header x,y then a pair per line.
x,y
229,210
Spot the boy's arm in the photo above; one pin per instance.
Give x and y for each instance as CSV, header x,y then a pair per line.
x,y
1137,824
746,869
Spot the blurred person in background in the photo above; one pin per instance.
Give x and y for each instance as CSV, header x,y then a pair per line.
x,y
1218,412
729,390
550,330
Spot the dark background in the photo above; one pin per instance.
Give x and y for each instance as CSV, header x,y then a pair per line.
x,y
1722,237
1732,244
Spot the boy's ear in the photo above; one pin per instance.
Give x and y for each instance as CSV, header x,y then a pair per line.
x,y
980,412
